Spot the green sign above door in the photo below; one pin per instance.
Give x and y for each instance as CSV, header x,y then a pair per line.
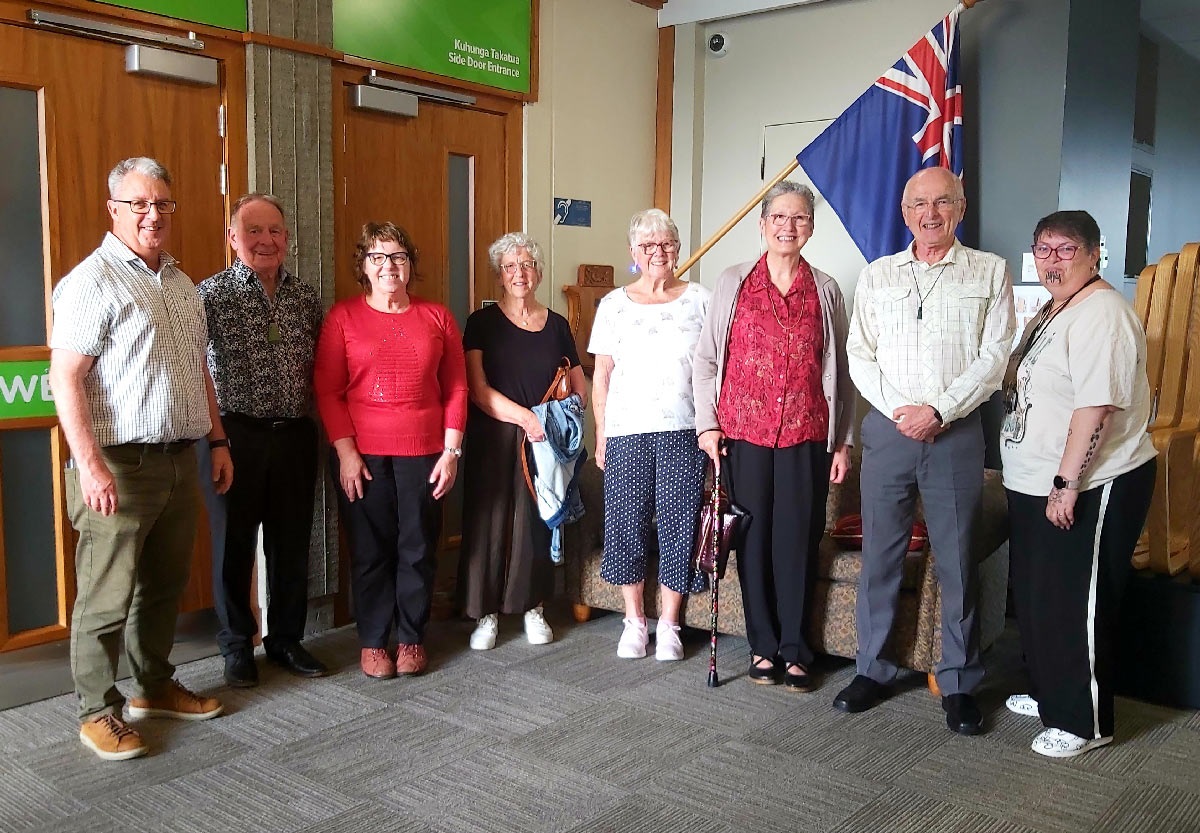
x,y
25,390
228,14
485,41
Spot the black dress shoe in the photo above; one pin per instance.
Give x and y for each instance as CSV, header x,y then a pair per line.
x,y
293,657
863,693
796,678
962,714
240,670
762,676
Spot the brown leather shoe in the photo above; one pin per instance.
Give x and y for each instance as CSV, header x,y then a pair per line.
x,y
410,659
112,738
377,663
175,702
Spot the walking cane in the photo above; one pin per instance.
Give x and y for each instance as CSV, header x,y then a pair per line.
x,y
715,542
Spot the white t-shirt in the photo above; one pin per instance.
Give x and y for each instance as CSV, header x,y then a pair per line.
x,y
1091,354
652,347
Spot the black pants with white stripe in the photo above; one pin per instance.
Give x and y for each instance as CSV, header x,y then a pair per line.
x,y
1067,586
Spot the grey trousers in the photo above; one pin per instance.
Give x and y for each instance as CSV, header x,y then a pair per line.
x,y
948,475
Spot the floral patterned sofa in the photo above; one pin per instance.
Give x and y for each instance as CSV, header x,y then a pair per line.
x,y
916,640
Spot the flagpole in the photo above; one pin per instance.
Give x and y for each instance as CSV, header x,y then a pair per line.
x,y
733,221
755,200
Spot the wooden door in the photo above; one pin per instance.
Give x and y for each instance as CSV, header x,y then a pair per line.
x,y
451,176
90,114
408,170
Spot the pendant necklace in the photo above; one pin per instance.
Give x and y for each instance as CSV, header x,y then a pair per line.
x,y
921,298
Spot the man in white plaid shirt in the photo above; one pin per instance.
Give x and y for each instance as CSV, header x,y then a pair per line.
x,y
133,394
928,344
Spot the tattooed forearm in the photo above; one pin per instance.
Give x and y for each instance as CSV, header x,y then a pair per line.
x,y
1093,445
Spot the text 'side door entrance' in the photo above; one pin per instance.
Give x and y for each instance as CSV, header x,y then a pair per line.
x,y
68,112
450,176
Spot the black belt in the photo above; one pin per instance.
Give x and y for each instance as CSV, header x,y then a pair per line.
x,y
173,447
263,423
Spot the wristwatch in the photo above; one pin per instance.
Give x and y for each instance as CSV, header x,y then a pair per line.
x,y
453,452
1061,482
222,442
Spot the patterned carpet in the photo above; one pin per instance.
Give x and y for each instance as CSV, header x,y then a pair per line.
x,y
567,737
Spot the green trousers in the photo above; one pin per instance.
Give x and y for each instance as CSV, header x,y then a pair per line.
x,y
131,569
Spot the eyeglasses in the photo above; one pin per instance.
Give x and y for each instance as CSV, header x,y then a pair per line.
x,y
143,206
523,265
1065,252
941,203
379,258
779,220
669,247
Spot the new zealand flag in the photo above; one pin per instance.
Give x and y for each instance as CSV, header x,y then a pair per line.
x,y
911,118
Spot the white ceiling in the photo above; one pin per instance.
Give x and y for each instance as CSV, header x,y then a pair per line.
x,y
1176,20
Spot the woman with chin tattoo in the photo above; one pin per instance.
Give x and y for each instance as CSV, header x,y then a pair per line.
x,y
1079,471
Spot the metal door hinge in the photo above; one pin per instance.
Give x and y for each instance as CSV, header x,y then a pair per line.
x,y
224,179
221,121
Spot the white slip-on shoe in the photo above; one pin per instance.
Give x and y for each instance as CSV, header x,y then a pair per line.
x,y
483,638
667,646
537,631
1022,704
633,641
1055,743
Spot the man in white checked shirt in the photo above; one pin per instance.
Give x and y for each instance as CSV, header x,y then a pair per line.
x,y
131,386
929,341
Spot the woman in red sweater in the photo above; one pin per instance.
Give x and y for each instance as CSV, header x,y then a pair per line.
x,y
391,388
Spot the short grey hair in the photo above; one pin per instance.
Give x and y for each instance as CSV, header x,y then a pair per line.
x,y
785,187
246,199
143,165
511,241
650,221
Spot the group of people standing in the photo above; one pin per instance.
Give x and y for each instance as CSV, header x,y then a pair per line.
x,y
162,389
764,369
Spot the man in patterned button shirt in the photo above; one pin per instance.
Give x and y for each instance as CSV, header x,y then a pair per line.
x,y
928,344
263,324
132,394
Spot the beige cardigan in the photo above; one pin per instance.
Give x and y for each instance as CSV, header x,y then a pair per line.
x,y
708,366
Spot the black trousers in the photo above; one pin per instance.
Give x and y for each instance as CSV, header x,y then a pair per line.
x,y
1067,586
393,530
784,490
275,472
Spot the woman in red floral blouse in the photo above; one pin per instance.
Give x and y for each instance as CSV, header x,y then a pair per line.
x,y
775,400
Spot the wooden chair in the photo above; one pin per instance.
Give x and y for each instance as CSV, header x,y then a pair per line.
x,y
593,283
1175,323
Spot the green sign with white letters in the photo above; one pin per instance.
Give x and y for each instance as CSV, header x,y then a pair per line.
x,y
25,390
485,41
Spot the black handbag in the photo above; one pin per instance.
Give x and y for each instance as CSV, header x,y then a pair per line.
x,y
719,527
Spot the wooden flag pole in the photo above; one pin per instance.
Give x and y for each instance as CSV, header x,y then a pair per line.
x,y
755,200
736,218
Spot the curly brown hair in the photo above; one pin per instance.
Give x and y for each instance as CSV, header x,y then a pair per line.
x,y
373,233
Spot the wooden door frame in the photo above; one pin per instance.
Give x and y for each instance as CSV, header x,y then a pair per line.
x,y
228,49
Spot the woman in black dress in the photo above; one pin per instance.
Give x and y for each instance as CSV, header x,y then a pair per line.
x,y
513,348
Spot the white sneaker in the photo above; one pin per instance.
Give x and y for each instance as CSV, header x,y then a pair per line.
x,y
483,638
1055,743
667,646
536,629
1023,705
634,639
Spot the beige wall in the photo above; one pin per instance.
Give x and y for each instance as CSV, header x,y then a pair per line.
x,y
591,133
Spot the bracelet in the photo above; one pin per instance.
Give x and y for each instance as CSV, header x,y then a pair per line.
x,y
453,452
223,442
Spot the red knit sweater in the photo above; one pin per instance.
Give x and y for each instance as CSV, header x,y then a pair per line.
x,y
393,381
